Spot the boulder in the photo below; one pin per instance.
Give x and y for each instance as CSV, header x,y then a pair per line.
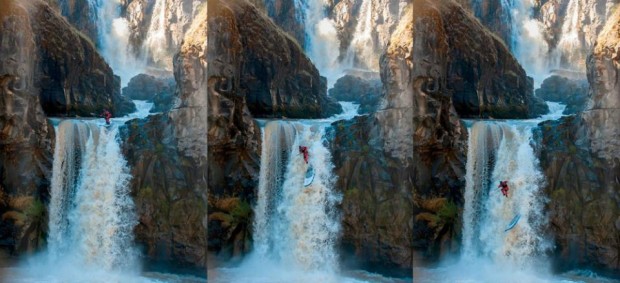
x,y
351,88
572,93
159,90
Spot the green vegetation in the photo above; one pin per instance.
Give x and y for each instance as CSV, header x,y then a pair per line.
x,y
242,212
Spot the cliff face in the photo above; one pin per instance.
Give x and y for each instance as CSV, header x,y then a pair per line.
x,y
74,79
168,154
485,78
26,137
374,161
581,158
275,76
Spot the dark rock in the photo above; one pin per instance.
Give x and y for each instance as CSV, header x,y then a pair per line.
x,y
367,93
483,75
26,136
572,93
74,79
275,75
145,87
233,135
168,192
159,90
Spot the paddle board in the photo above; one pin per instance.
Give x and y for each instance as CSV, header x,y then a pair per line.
x,y
513,223
309,176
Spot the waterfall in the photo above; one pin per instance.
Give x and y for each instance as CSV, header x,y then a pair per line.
x,y
322,43
277,145
296,224
502,151
113,41
154,44
569,46
361,51
91,212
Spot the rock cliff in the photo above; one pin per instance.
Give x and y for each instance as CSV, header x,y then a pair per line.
x,y
365,92
581,158
485,78
275,76
74,79
572,93
410,152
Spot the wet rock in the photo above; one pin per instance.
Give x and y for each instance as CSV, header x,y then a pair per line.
x,y
169,194
410,151
275,76
572,93
74,80
484,77
351,88
159,90
26,136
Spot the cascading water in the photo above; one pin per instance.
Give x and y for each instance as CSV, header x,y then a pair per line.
x,y
113,41
91,213
501,151
322,43
295,226
361,51
155,45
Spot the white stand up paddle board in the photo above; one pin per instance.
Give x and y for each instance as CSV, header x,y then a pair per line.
x,y
309,176
513,223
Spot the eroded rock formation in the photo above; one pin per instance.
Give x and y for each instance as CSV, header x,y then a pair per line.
x,y
485,78
581,158
572,93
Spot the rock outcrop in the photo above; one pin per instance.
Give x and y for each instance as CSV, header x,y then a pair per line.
x,y
26,137
287,16
74,80
366,93
168,156
581,158
159,90
275,76
572,93
234,137
484,77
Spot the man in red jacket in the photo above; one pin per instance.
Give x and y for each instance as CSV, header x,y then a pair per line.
x,y
504,186
304,150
